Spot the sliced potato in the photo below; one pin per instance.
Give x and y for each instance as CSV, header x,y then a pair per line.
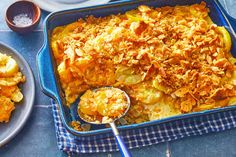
x,y
209,20
145,94
127,76
86,106
12,81
158,86
232,101
161,110
17,96
133,16
226,38
64,73
8,66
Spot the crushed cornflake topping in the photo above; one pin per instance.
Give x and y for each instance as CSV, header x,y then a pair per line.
x,y
170,60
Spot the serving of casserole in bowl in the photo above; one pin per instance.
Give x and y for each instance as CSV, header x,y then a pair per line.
x,y
173,58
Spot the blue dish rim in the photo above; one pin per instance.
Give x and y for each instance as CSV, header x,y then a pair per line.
x,y
56,96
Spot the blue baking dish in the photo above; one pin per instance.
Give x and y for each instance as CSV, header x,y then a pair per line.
x,y
50,83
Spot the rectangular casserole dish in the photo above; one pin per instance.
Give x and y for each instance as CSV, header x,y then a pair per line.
x,y
50,82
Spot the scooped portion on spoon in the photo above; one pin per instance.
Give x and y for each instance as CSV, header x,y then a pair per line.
x,y
103,105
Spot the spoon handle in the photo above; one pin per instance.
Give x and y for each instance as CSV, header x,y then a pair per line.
x,y
123,149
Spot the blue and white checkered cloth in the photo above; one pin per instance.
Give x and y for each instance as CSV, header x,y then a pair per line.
x,y
150,135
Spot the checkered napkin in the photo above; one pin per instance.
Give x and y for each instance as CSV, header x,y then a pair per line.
x,y
150,135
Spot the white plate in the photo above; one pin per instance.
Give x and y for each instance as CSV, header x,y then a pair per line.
x,y
53,5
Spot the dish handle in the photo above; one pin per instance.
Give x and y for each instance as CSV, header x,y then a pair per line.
x,y
46,72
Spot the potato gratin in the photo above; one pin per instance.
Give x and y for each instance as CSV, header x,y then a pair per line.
x,y
103,105
170,60
10,77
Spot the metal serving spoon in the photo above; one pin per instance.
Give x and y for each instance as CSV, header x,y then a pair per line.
x,y
123,149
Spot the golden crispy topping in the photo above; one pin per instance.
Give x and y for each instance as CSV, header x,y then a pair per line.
x,y
10,77
172,53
